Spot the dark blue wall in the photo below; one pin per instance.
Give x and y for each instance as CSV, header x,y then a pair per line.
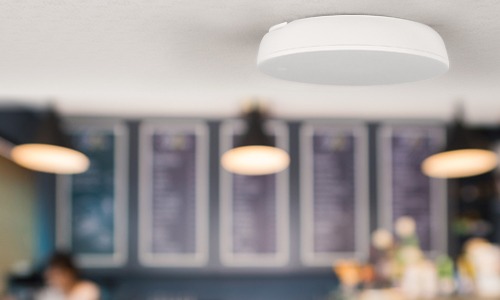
x,y
293,282
215,281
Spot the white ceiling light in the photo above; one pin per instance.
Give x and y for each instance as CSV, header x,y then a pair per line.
x,y
352,50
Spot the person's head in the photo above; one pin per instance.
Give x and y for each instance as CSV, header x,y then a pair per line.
x,y
61,271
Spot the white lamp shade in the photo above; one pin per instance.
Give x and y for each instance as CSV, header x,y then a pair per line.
x,y
255,160
459,163
50,158
352,50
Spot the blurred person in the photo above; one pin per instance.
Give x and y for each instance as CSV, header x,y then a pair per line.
x,y
63,282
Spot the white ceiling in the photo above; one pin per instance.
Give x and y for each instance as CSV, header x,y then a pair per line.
x,y
197,58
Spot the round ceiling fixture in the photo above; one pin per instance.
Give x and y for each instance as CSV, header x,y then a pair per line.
x,y
352,50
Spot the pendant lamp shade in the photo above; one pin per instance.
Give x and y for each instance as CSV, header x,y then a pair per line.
x,y
50,150
255,154
466,155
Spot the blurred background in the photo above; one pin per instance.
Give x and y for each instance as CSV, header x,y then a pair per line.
x,y
154,97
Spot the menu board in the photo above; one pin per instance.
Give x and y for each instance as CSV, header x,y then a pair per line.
x,y
334,200
92,206
173,217
254,209
406,191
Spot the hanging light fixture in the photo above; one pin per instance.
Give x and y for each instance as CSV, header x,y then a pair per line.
x,y
50,152
256,154
352,50
465,155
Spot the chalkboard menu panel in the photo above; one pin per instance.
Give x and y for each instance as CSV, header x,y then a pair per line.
x,y
334,199
406,191
92,206
254,209
173,195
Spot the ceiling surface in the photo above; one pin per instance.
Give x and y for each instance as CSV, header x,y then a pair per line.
x,y
197,58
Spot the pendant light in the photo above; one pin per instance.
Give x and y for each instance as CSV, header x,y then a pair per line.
x,y
50,150
256,154
465,155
